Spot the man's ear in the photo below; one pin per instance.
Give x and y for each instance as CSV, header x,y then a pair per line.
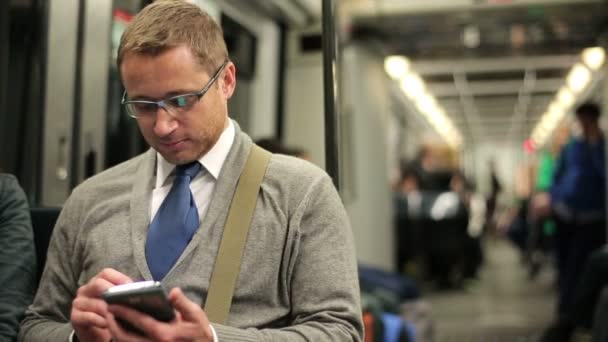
x,y
228,80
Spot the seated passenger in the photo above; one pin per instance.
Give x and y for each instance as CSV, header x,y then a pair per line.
x,y
475,204
17,257
161,215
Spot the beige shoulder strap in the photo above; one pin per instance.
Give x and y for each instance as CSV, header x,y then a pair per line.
x,y
228,260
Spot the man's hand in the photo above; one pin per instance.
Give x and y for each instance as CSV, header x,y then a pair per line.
x,y
541,205
89,310
190,323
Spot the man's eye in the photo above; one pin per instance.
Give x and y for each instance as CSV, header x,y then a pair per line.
x,y
144,107
180,101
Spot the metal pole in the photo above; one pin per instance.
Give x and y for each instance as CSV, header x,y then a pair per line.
x,y
603,42
330,88
604,110
5,8
77,98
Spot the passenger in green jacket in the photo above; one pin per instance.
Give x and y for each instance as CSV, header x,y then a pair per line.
x,y
17,257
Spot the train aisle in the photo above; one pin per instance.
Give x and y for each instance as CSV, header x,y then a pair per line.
x,y
503,305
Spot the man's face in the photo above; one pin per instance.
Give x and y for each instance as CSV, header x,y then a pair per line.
x,y
179,137
589,123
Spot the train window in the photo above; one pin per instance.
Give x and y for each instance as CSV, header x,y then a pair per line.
x,y
310,43
241,44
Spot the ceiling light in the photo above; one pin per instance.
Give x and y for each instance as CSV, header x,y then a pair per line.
x,y
556,110
471,36
547,125
444,129
440,119
541,130
412,85
565,97
396,66
539,138
551,121
450,130
578,78
594,57
426,104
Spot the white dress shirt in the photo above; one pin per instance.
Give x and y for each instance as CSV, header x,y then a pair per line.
x,y
202,185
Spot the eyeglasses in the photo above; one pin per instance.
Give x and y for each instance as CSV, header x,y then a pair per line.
x,y
175,105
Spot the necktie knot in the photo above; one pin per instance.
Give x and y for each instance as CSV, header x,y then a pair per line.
x,y
189,170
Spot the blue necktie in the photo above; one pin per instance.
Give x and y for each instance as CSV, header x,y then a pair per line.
x,y
174,224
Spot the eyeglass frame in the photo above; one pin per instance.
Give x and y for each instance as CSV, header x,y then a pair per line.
x,y
162,103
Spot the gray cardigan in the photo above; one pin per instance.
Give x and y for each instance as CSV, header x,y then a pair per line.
x,y
17,257
298,279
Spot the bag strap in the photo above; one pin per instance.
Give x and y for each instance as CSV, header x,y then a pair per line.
x,y
228,260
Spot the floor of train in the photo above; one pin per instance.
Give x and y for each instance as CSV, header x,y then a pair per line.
x,y
502,305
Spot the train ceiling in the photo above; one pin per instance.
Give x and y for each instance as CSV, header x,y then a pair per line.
x,y
494,66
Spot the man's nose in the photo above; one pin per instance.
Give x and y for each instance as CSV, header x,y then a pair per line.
x,y
164,123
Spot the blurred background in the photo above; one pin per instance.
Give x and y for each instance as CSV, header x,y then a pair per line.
x,y
452,119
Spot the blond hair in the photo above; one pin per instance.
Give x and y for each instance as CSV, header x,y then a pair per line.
x,y
166,24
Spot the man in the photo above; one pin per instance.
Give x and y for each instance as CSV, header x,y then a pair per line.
x,y
578,205
586,308
298,279
17,257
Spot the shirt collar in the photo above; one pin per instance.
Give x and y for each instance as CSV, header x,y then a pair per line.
x,y
212,161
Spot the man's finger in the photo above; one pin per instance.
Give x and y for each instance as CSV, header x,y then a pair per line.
x,y
94,288
89,319
89,304
154,329
120,334
189,311
114,277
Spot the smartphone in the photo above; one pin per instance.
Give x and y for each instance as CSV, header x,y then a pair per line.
x,y
148,297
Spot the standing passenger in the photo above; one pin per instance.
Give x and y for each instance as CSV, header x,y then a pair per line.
x,y
492,202
298,278
578,203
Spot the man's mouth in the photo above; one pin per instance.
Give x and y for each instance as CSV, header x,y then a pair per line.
x,y
173,144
